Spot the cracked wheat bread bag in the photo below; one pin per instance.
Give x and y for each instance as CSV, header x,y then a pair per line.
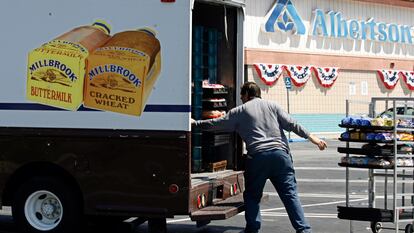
x,y
122,73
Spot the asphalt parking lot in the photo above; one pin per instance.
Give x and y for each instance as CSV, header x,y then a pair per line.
x,y
321,185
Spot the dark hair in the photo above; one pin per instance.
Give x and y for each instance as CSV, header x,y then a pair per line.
x,y
251,89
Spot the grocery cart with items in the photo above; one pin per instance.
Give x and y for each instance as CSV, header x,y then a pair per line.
x,y
382,144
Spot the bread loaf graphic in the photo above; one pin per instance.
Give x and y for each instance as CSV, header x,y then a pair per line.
x,y
90,37
122,73
56,70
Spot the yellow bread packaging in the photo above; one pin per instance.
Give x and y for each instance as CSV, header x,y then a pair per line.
x,y
56,70
122,73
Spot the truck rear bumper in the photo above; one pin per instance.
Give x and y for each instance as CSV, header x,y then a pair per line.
x,y
216,195
220,210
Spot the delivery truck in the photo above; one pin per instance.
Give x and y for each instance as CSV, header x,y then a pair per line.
x,y
96,99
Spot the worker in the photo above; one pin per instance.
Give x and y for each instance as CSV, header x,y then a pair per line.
x,y
261,124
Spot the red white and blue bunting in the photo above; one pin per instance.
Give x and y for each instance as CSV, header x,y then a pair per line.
x,y
326,75
408,77
299,74
389,78
269,73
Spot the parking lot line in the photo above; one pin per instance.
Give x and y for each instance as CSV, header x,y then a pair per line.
x,y
317,204
321,168
268,212
320,195
307,215
330,181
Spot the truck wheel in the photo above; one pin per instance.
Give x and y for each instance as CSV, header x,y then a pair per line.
x,y
45,204
409,228
376,227
157,225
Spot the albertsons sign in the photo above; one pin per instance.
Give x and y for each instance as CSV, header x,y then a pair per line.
x,y
284,17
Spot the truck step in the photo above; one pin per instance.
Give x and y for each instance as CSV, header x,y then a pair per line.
x,y
221,210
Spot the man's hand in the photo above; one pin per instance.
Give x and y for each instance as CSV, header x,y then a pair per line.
x,y
318,142
192,121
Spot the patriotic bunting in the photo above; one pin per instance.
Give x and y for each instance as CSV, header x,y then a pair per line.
x,y
326,75
299,74
269,73
408,77
389,78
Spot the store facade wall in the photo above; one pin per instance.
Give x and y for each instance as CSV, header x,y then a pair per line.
x,y
379,36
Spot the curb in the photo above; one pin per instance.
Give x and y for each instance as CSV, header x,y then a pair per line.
x,y
297,140
300,140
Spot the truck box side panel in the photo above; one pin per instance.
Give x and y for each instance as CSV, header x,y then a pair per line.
x,y
128,173
29,24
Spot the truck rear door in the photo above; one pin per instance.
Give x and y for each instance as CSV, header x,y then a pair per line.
x,y
217,181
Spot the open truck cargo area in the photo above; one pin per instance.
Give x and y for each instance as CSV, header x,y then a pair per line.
x,y
96,109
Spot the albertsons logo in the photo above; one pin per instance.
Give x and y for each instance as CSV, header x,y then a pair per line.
x,y
285,17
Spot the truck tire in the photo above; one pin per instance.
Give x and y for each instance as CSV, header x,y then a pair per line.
x,y
376,227
409,228
46,204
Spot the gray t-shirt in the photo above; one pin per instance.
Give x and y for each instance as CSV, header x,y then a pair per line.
x,y
260,123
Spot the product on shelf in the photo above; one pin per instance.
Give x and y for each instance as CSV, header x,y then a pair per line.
x,y
365,161
383,136
379,121
355,136
405,137
345,135
209,114
378,162
371,136
371,146
356,121
214,103
404,162
405,123
214,100
405,149
212,85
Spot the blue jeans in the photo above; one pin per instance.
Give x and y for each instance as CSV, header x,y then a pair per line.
x,y
277,166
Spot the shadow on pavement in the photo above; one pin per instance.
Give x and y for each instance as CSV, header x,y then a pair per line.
x,y
178,228
172,228
7,224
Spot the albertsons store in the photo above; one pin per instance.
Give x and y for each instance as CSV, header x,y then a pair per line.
x,y
310,56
